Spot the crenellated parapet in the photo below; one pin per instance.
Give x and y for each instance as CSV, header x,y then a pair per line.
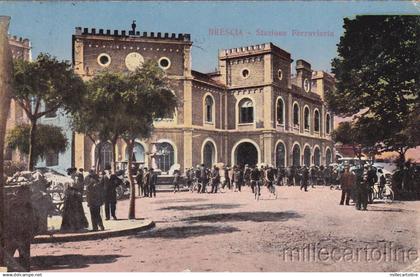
x,y
124,33
253,50
19,41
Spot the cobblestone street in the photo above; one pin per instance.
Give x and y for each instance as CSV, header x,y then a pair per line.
x,y
233,232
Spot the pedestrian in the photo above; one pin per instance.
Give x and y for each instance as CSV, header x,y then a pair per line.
x,y
382,182
139,181
111,195
312,176
238,177
215,179
290,175
279,176
204,178
227,181
297,175
372,178
305,178
94,195
361,189
152,182
189,177
327,175
74,218
269,177
321,180
176,180
145,185
347,182
247,175
256,180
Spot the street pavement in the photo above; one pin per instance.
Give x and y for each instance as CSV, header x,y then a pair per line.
x,y
231,231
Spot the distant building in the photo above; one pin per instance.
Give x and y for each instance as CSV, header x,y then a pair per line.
x,y
55,160
250,111
21,49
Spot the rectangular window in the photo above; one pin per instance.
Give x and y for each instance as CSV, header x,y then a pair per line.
x,y
208,113
247,115
51,159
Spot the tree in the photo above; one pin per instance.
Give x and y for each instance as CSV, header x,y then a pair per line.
x,y
362,135
99,115
124,105
48,81
49,139
6,68
146,97
377,72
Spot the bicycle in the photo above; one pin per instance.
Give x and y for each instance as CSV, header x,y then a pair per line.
x,y
386,194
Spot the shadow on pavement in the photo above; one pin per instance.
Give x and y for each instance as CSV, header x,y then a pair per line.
x,y
200,207
41,263
371,209
186,200
187,232
246,216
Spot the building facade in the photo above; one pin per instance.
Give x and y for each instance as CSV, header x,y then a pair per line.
x,y
21,49
251,110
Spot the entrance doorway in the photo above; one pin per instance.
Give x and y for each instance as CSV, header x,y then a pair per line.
x,y
246,153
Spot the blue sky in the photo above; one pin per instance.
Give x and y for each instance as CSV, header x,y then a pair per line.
x,y
49,25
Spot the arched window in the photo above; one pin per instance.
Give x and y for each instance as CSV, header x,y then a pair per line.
x,y
296,114
328,124
104,157
280,155
307,156
316,121
328,157
317,157
246,111
306,118
209,154
165,156
208,108
296,155
138,153
280,111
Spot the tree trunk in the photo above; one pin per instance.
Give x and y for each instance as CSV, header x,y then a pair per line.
x,y
401,158
132,209
98,157
114,157
32,139
6,69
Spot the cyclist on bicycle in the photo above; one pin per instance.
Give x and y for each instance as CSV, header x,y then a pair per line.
x,y
269,178
382,182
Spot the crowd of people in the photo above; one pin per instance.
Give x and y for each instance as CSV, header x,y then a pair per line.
x,y
146,180
356,183
267,175
100,190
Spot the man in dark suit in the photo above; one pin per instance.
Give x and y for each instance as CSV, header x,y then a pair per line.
x,y
94,195
152,182
110,185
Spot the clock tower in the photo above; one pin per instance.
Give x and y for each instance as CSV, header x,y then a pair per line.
x,y
100,50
